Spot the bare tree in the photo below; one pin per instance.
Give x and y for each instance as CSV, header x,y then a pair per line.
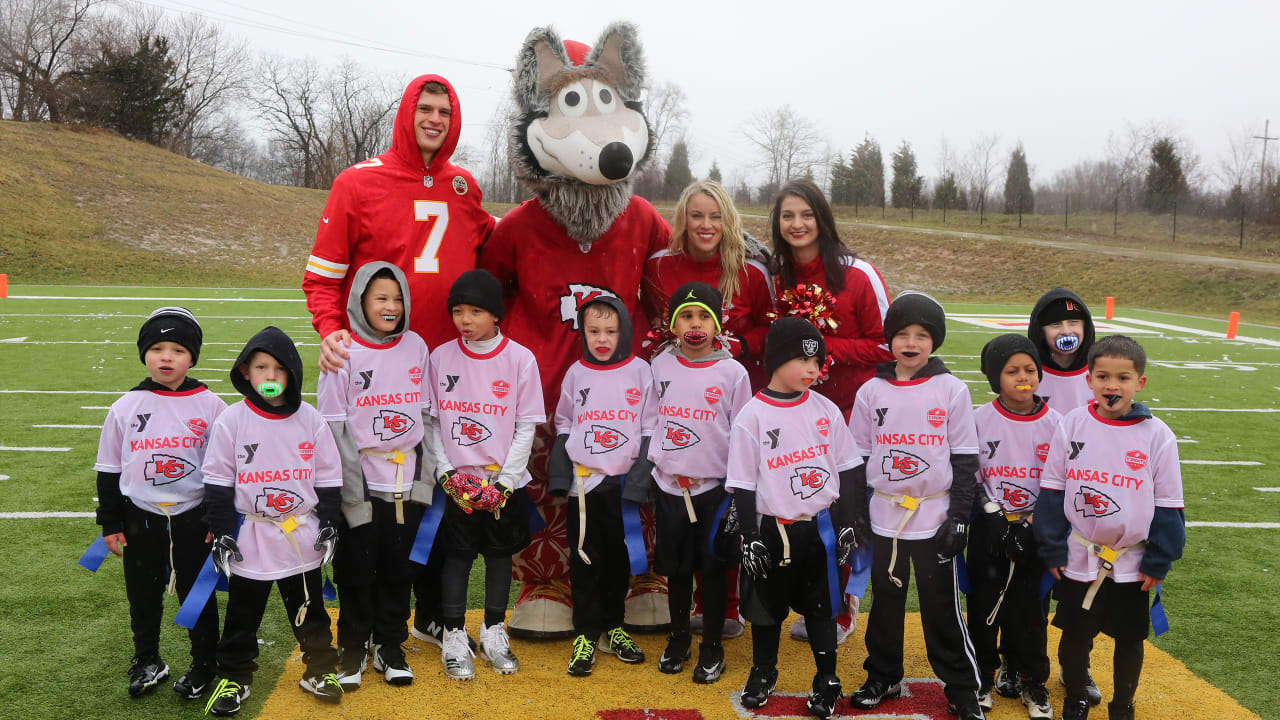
x,y
214,69
497,178
362,111
789,145
289,96
41,42
1238,167
983,163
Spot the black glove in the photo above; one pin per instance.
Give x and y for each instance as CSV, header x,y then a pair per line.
x,y
756,559
224,551
327,541
862,529
846,541
951,538
997,532
1020,542
730,523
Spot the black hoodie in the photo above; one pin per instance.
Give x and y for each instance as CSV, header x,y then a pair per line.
x,y
275,343
1035,329
623,349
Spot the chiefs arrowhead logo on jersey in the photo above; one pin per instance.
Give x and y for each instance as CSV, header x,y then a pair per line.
x,y
806,481
712,395
678,437
1015,497
937,417
276,503
601,439
165,469
501,388
306,450
197,426
1042,452
899,465
1092,503
824,426
1135,459
390,424
633,396
579,294
415,375
469,432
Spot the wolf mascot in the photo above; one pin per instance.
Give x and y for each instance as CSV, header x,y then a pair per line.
x,y
578,139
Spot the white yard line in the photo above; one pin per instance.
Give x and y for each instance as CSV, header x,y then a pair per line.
x,y
43,515
70,427
8,448
1187,440
95,407
1267,489
135,298
1246,463
1242,525
1203,333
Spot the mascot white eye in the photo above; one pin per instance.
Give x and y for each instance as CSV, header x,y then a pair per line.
x,y
572,99
606,99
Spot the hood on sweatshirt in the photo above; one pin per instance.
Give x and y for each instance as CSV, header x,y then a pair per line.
x,y
273,341
355,302
623,349
404,141
1035,329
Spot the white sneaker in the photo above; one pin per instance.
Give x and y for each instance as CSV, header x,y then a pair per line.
x,y
1036,698
800,630
495,647
456,656
389,660
351,667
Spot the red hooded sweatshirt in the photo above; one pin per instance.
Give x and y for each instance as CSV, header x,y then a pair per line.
x,y
426,220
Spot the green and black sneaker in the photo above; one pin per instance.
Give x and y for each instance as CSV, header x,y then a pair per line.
x,y
618,642
583,658
226,698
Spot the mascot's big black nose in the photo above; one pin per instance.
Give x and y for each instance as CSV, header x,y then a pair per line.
x,y
616,161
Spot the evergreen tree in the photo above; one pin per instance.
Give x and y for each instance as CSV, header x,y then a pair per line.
x,y
130,91
714,173
678,173
840,194
907,185
946,193
1165,179
866,174
1017,185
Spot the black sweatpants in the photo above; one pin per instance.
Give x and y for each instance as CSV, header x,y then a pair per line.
x,y
1119,610
372,571
246,603
146,564
1019,632
946,639
599,589
684,548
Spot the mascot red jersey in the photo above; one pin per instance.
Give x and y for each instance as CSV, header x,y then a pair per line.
x,y
577,141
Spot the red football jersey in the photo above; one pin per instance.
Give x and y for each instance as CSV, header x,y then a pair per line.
x,y
426,220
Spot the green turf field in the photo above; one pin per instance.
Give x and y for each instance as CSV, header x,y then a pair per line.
x,y
66,353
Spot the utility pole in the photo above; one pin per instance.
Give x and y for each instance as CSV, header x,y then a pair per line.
x,y
1262,172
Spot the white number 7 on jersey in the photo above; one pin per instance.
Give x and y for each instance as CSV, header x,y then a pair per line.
x,y
437,214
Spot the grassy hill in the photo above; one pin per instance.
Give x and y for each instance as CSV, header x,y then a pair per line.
x,y
80,205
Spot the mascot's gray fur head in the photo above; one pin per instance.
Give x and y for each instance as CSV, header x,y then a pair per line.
x,y
579,137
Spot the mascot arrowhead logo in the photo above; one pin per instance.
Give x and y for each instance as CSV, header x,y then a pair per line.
x,y
678,437
469,432
601,439
579,294
276,503
1094,503
391,424
165,469
899,465
1015,496
807,481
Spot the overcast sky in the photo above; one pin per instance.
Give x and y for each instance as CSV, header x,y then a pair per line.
x,y
1058,76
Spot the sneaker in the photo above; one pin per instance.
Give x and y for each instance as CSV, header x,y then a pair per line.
x,y
760,685
966,711
456,655
1008,684
824,695
984,692
495,647
433,632
325,687
800,630
1075,709
873,692
710,663
1036,698
583,658
145,674
620,643
351,667
1091,692
194,681
389,660
676,652
733,628
226,698
695,621
1119,712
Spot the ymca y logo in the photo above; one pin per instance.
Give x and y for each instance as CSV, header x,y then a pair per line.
x,y
365,379
249,451
142,421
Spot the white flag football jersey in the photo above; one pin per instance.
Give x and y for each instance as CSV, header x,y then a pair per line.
x,y
478,399
791,453
697,405
908,430
156,440
605,410
1113,474
275,463
1065,391
1012,452
379,394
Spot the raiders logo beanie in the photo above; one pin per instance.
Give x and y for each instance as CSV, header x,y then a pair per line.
x,y
171,324
790,338
997,351
479,288
916,308
698,294
1062,309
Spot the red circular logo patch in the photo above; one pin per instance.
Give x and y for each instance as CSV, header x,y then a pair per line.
x,y
712,394
415,375
633,396
1135,459
306,450
937,417
824,426
501,388
1042,452
197,426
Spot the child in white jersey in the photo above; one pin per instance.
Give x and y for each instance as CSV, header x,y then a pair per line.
x,y
701,389
272,460
1109,522
377,409
1014,431
1061,328
604,418
791,462
487,400
149,494
913,422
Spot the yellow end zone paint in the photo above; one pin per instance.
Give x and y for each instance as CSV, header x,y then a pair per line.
x,y
542,689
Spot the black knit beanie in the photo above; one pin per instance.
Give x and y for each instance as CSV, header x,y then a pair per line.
x,y
998,350
479,288
698,294
1062,309
789,338
916,308
171,324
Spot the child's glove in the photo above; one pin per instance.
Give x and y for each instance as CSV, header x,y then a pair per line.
x,y
326,542
755,557
862,529
463,488
1020,542
846,541
492,497
997,531
224,551
951,539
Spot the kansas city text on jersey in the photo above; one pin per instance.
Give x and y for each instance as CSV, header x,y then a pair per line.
x,y
809,453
